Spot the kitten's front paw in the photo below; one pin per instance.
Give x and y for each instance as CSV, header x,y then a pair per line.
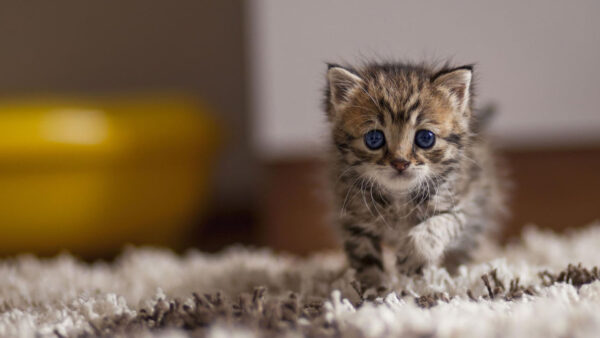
x,y
371,277
372,293
419,250
407,261
409,264
426,246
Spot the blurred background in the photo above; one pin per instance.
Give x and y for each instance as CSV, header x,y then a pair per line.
x,y
198,123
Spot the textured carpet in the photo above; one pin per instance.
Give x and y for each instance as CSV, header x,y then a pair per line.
x,y
544,286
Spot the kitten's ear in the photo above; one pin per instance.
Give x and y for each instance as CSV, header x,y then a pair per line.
x,y
457,82
341,83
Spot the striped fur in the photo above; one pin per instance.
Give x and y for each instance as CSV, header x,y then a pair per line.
x,y
449,196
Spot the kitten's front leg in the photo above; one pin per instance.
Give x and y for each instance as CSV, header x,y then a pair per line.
x,y
363,249
426,242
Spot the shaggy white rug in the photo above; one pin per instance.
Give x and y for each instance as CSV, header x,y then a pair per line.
x,y
528,289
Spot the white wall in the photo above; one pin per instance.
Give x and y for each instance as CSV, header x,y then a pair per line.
x,y
538,60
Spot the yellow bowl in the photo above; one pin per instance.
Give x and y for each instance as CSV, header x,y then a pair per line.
x,y
91,175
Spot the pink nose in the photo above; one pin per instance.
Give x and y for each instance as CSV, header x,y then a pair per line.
x,y
400,164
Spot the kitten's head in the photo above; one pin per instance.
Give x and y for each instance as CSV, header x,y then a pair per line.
x,y
399,125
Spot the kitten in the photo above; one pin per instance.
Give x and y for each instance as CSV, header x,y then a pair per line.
x,y
411,168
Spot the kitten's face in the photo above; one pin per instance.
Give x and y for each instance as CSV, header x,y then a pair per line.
x,y
402,130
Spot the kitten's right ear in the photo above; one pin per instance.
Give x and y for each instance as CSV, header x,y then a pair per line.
x,y
341,83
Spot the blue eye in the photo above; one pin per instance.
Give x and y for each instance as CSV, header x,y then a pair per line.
x,y
374,139
425,139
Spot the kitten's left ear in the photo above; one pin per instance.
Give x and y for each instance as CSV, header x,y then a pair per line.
x,y
457,82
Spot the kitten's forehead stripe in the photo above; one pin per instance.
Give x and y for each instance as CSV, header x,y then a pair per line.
x,y
409,99
412,110
387,107
380,117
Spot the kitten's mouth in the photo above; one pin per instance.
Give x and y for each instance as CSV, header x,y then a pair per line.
x,y
401,174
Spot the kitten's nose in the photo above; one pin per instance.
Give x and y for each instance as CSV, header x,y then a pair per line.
x,y
399,164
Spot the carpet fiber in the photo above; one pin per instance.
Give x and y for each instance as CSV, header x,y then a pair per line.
x,y
544,286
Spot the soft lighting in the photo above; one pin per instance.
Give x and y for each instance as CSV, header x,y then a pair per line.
x,y
78,126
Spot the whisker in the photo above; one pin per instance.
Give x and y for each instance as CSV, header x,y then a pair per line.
x,y
364,198
352,187
375,206
345,171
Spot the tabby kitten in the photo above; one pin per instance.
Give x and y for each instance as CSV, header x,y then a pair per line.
x,y
411,168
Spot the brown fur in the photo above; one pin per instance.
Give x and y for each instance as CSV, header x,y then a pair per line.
x,y
448,194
